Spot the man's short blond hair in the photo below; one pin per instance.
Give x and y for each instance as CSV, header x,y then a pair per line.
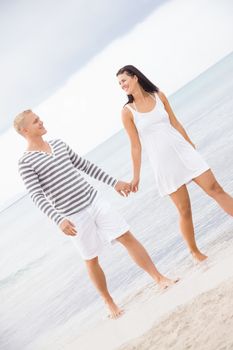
x,y
19,120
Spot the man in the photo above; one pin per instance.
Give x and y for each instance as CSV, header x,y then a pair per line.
x,y
51,172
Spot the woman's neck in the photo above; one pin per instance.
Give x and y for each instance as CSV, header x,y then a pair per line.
x,y
140,95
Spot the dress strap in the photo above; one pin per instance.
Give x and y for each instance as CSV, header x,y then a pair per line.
x,y
130,108
135,107
133,111
153,96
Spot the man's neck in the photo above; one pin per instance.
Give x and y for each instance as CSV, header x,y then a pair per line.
x,y
37,144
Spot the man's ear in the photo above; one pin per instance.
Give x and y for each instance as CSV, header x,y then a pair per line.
x,y
24,130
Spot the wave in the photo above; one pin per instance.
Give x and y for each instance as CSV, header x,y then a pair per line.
x,y
16,275
13,200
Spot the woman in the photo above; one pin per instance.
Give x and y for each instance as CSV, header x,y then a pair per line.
x,y
148,119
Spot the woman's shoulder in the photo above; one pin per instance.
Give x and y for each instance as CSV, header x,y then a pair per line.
x,y
161,95
128,109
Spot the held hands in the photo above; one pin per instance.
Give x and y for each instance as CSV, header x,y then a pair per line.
x,y
68,227
123,188
134,185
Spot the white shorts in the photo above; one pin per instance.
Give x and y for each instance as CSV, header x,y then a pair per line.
x,y
96,225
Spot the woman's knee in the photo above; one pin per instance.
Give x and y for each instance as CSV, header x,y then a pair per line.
x,y
214,189
185,211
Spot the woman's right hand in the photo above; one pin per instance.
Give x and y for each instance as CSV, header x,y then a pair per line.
x,y
134,185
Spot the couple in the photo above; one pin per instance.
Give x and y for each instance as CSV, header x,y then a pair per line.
x,y
52,174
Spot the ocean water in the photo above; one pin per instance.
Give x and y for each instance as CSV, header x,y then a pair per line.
x,y
45,294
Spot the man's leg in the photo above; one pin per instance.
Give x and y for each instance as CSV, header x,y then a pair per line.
x,y
98,278
139,254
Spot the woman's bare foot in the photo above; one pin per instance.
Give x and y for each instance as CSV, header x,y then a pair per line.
x,y
198,256
165,282
114,311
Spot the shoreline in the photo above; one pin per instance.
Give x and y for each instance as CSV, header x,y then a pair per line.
x,y
162,320
177,317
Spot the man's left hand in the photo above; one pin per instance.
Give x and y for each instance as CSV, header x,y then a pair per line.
x,y
123,188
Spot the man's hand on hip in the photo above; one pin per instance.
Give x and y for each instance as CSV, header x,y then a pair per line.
x,y
68,227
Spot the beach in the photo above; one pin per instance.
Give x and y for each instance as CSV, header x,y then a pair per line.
x,y
47,299
206,322
197,313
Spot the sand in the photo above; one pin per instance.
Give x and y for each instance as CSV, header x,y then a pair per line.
x,y
206,323
197,313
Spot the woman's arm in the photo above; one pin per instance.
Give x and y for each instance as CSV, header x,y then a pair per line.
x,y
97,173
173,120
132,132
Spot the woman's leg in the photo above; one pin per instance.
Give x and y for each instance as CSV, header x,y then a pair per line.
x,y
139,254
181,200
97,276
210,185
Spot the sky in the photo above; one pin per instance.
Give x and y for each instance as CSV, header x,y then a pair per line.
x,y
44,42
62,63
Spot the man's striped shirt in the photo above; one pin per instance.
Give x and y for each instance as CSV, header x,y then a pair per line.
x,y
55,183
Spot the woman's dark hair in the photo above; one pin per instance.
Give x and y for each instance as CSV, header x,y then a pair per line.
x,y
144,82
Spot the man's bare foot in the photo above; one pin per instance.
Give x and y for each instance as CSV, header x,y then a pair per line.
x,y
198,256
165,282
114,311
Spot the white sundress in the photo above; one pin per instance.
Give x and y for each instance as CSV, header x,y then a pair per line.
x,y
174,161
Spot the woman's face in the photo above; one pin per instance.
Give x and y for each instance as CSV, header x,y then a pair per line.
x,y
128,83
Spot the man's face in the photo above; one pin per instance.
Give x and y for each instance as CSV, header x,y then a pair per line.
x,y
33,126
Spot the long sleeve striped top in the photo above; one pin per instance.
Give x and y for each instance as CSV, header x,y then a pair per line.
x,y
55,182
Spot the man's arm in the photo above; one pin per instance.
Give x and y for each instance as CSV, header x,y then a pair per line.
x,y
95,171
34,189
